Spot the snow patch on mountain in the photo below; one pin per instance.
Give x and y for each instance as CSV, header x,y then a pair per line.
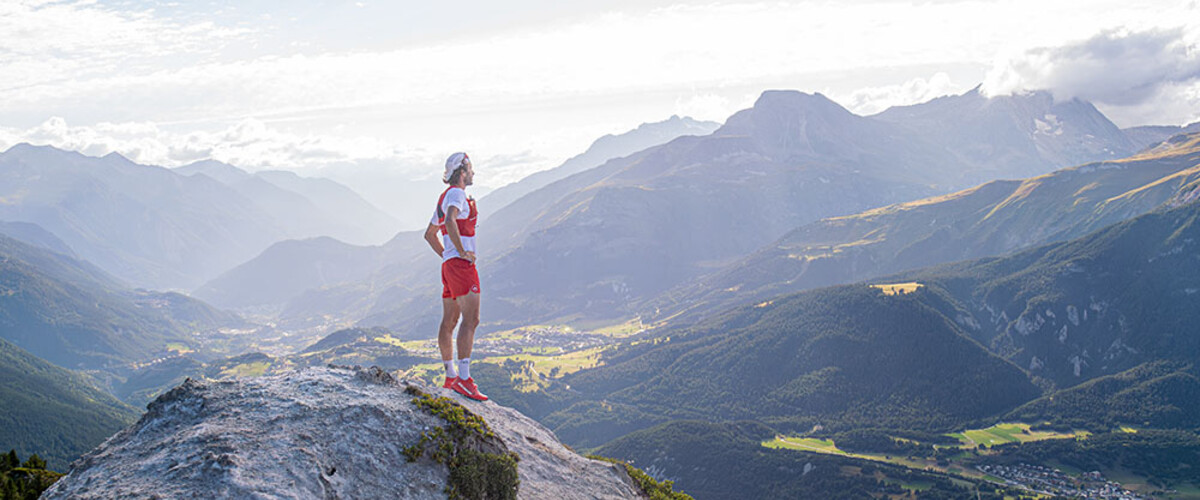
x,y
1049,127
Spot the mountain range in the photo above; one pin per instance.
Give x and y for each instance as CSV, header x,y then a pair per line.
x,y
290,269
791,159
285,270
306,206
600,243
1090,333
74,315
601,151
968,343
1074,308
1016,136
991,219
1068,312
157,228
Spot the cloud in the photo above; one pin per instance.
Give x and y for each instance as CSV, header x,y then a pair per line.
x,y
1174,104
1115,67
511,167
47,44
871,100
249,143
605,53
704,106
218,79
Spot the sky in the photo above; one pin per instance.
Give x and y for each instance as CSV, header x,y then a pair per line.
x,y
376,94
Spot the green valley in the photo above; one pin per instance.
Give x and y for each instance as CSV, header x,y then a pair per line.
x,y
53,412
70,313
897,368
956,459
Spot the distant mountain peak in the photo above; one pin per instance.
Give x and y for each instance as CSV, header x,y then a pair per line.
x,y
115,158
673,123
794,99
25,148
211,163
220,171
1040,132
1034,100
603,149
786,112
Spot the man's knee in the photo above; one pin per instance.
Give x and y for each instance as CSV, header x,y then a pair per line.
x,y
470,318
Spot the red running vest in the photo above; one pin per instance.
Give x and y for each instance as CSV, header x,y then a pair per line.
x,y
466,227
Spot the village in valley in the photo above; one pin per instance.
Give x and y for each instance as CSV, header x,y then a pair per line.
x,y
1047,481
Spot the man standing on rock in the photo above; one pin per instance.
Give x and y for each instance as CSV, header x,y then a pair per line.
x,y
455,218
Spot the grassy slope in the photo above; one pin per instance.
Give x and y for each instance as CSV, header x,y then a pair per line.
x,y
842,356
51,411
73,315
1106,302
990,219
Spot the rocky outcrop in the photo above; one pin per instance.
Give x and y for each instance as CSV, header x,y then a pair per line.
x,y
316,433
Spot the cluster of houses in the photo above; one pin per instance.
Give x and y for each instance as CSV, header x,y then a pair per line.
x,y
1054,482
164,356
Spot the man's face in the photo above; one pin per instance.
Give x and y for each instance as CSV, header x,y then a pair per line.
x,y
469,174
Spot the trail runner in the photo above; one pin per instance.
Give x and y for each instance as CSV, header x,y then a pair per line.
x,y
455,218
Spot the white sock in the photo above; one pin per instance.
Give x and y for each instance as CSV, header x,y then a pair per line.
x,y
449,368
464,368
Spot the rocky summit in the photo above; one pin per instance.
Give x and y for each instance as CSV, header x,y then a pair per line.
x,y
329,432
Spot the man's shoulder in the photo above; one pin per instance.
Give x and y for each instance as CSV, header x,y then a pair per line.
x,y
455,195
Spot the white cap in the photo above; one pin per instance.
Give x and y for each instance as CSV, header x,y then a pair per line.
x,y
455,162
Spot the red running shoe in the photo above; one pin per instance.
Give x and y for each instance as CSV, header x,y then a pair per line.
x,y
450,383
467,387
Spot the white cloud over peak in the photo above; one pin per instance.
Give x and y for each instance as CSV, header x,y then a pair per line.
x,y
1116,67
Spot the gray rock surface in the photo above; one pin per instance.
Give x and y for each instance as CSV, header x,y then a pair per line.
x,y
315,433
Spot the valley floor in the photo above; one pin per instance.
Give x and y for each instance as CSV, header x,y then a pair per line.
x,y
1042,479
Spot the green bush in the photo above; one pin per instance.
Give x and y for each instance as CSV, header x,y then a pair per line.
x,y
654,489
474,474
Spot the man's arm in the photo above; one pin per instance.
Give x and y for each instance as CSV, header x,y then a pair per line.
x,y
431,236
452,230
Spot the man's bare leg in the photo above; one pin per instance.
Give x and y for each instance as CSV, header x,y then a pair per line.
x,y
450,313
469,305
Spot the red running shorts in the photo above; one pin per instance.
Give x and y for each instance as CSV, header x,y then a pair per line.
x,y
458,278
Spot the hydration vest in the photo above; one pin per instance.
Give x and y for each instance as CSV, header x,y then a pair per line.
x,y
466,227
